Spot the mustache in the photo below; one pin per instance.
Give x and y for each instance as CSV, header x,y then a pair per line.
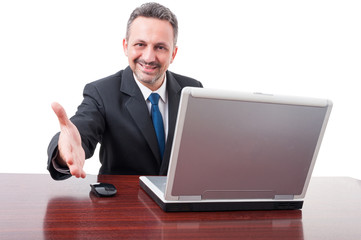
x,y
152,64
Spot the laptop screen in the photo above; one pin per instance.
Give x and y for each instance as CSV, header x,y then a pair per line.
x,y
248,146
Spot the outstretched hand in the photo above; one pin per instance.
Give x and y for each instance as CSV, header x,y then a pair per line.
x,y
71,152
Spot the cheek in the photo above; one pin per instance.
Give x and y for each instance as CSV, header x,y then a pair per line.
x,y
165,59
133,54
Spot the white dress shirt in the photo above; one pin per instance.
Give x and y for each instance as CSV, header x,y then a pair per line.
x,y
163,103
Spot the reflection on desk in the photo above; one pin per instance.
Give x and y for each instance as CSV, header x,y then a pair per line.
x,y
234,224
68,210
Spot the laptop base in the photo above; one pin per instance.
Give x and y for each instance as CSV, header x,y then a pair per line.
x,y
219,206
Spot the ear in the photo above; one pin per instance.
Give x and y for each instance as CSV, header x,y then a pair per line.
x,y
175,50
125,47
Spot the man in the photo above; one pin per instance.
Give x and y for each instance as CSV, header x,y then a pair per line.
x,y
116,110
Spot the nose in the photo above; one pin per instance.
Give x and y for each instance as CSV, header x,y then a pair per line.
x,y
148,54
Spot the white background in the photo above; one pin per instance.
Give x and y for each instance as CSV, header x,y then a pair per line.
x,y
50,49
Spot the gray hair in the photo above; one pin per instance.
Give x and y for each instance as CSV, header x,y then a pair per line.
x,y
154,10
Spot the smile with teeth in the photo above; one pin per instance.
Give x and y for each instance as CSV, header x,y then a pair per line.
x,y
148,66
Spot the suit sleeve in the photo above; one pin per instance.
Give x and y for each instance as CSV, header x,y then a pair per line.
x,y
89,119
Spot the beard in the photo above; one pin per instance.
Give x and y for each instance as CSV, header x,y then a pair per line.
x,y
145,77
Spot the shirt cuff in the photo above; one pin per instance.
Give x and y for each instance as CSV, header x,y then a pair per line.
x,y
57,167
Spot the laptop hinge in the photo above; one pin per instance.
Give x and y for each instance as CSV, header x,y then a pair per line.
x,y
284,197
190,198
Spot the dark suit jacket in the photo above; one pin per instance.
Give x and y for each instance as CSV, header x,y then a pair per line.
x,y
115,114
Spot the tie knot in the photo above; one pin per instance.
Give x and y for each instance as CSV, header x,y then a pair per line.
x,y
154,98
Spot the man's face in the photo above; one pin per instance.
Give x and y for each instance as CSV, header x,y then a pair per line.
x,y
150,50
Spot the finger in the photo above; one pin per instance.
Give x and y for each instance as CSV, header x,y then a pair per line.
x,y
74,171
83,174
77,172
67,159
79,160
65,151
60,113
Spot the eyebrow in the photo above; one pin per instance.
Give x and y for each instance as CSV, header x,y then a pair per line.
x,y
156,44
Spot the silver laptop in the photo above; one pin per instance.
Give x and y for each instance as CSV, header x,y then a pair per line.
x,y
240,151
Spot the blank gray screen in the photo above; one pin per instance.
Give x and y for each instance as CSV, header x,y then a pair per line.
x,y
246,146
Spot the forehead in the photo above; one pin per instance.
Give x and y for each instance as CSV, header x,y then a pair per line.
x,y
151,30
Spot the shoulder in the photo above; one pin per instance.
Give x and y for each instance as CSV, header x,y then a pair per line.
x,y
108,85
184,81
103,89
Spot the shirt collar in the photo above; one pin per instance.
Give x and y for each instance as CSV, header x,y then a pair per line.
x,y
146,91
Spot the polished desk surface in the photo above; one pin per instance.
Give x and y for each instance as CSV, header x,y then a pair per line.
x,y
33,206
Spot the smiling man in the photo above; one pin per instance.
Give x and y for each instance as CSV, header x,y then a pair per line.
x,y
150,49
132,113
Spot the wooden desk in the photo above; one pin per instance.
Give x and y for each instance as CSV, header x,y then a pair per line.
x,y
33,206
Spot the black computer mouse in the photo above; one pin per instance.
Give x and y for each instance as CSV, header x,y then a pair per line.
x,y
103,189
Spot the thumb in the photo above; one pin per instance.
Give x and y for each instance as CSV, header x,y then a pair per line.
x,y
60,113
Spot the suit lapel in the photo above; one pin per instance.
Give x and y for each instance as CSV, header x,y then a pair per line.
x,y
174,91
139,111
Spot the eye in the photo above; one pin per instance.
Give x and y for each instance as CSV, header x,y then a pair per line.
x,y
162,48
139,44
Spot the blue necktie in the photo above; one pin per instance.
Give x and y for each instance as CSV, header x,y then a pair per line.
x,y
157,122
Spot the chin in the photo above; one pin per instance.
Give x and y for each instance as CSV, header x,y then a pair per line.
x,y
147,78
